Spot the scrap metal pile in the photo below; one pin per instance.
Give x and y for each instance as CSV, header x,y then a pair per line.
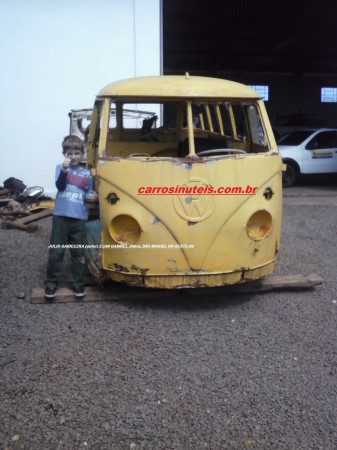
x,y
21,207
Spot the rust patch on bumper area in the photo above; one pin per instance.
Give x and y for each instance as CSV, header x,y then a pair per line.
x,y
120,268
143,273
196,280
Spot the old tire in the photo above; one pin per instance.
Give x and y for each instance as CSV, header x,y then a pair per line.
x,y
290,176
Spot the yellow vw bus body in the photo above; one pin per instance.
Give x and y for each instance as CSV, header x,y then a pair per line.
x,y
206,132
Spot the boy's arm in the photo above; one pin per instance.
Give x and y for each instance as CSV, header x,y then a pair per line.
x,y
91,184
91,195
61,179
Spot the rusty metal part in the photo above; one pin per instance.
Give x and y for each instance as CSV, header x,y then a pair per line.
x,y
10,217
37,216
25,222
4,192
179,161
16,206
15,213
119,268
195,279
30,228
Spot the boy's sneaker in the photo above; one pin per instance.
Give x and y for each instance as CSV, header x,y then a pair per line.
x,y
79,290
50,292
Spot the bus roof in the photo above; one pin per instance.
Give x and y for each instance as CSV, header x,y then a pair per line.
x,y
178,86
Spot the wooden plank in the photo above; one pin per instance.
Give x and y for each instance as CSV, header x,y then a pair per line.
x,y
119,292
96,294
64,295
269,283
273,283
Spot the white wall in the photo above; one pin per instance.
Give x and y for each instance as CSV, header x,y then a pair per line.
x,y
56,56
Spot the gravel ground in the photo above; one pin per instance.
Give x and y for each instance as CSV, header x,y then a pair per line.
x,y
248,371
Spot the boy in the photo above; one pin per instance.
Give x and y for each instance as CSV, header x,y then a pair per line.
x,y
74,185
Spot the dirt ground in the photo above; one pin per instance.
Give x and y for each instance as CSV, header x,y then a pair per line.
x,y
255,371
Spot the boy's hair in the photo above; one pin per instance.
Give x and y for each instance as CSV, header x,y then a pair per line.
x,y
72,141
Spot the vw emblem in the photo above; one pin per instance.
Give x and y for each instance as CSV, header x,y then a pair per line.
x,y
194,207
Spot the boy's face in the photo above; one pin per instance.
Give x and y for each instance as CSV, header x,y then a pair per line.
x,y
74,154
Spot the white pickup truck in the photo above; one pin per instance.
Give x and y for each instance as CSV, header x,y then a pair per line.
x,y
308,152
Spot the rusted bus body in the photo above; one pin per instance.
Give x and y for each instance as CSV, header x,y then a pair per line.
x,y
202,142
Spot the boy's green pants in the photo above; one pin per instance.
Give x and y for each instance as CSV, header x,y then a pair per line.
x,y
66,230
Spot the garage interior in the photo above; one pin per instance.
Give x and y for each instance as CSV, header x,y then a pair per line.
x,y
288,46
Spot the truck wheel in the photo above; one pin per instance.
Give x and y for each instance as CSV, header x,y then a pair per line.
x,y
290,176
